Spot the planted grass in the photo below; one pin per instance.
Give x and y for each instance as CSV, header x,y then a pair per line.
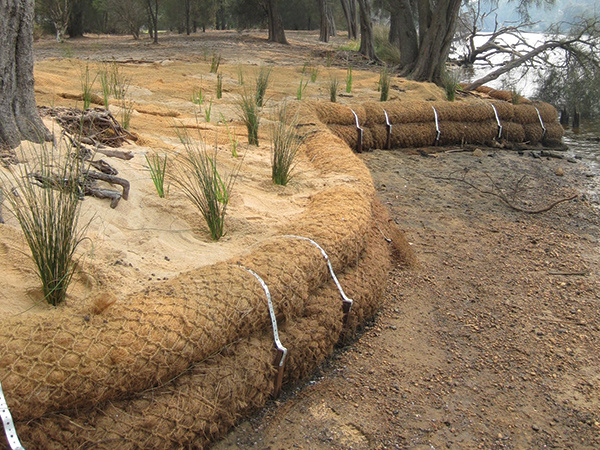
x,y
333,88
384,84
262,82
87,84
451,83
158,171
285,145
44,196
250,113
200,181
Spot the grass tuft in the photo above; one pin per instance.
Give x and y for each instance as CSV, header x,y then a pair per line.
x,y
349,79
215,62
262,82
158,171
87,84
285,145
250,113
201,183
451,83
384,84
45,199
301,88
333,88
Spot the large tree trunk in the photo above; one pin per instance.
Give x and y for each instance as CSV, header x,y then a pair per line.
x,y
19,118
76,25
437,24
152,7
403,32
327,21
367,45
276,31
349,7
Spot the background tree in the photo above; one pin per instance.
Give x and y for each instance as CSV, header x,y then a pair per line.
x,y
59,12
19,117
367,44
327,26
349,8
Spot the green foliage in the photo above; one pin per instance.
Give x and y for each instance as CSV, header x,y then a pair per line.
x,y
201,182
349,79
87,84
333,88
208,110
350,46
219,86
262,82
384,84
232,137
250,113
126,112
285,145
45,199
215,62
384,49
314,72
301,88
197,97
451,84
158,170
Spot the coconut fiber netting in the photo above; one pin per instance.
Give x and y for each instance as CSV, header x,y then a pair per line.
x,y
397,124
176,365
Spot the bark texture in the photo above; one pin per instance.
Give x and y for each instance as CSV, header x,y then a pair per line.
x,y
349,7
19,117
276,32
367,45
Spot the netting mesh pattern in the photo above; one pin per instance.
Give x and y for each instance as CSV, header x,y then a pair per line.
x,y
413,124
175,365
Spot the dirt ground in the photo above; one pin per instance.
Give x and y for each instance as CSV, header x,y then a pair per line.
x,y
491,342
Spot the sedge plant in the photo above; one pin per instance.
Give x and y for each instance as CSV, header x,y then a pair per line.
x,y
200,181
301,88
250,113
333,88
262,82
384,84
285,145
349,79
158,170
87,84
219,86
44,196
232,137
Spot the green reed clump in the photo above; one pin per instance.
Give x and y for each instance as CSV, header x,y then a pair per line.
x,y
158,171
451,83
215,62
301,88
384,84
262,82
44,196
201,182
219,86
349,79
87,84
333,88
285,145
232,137
250,113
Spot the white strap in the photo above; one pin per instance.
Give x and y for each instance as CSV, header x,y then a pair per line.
x,y
9,426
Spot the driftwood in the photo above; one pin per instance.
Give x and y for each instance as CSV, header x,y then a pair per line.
x,y
90,132
95,126
499,193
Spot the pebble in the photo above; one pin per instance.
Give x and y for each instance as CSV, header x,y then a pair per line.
x,y
477,153
559,172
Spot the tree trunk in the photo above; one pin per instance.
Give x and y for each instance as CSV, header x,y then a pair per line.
x,y
187,4
403,33
349,7
326,21
276,31
152,7
367,45
76,26
19,117
435,38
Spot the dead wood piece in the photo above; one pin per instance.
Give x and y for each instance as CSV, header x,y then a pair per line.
x,y
104,167
497,192
104,193
112,180
115,154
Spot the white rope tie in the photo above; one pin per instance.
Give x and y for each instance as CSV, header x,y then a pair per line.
x,y
437,125
497,121
541,122
347,302
9,426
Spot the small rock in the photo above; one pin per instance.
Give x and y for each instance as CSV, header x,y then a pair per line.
x,y
535,427
559,172
477,153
